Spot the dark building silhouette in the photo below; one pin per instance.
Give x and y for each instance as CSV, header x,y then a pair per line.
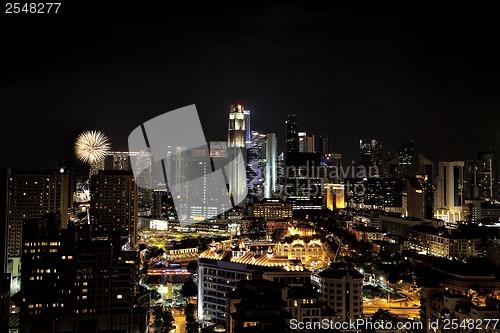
x,y
419,198
487,174
324,145
70,279
304,184
113,206
292,132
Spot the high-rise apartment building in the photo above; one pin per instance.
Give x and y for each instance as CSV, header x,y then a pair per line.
x,y
144,159
46,271
31,195
113,205
69,278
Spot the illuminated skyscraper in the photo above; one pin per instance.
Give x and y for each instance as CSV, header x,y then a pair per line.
x,y
237,134
292,132
31,195
256,163
271,165
450,183
248,131
236,138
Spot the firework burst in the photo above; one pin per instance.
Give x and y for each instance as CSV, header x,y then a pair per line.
x,y
91,147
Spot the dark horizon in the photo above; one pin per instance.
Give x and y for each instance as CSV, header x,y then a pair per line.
x,y
393,71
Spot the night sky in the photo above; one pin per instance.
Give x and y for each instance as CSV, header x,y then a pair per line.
x,y
396,70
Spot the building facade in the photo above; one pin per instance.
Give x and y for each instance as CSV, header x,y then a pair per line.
x,y
342,290
114,206
31,195
220,268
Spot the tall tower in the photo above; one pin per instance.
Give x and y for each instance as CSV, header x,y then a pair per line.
x,y
324,145
487,174
370,151
292,132
237,134
450,183
271,160
236,140
248,132
31,195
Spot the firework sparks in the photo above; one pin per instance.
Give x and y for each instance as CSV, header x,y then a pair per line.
x,y
91,147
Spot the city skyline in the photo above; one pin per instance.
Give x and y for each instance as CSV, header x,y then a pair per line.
x,y
397,81
231,167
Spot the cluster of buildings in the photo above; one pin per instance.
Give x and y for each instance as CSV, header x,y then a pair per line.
x,y
81,272
247,275
62,276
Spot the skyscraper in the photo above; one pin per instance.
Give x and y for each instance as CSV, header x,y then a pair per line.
x,y
248,131
487,174
46,271
306,143
122,160
31,195
256,163
471,190
271,165
292,131
69,277
237,134
4,190
418,198
304,181
450,182
324,145
236,140
370,159
113,205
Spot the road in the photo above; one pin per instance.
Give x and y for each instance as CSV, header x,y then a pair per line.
x,y
180,321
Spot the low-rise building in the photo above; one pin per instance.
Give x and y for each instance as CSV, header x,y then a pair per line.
x,y
442,242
